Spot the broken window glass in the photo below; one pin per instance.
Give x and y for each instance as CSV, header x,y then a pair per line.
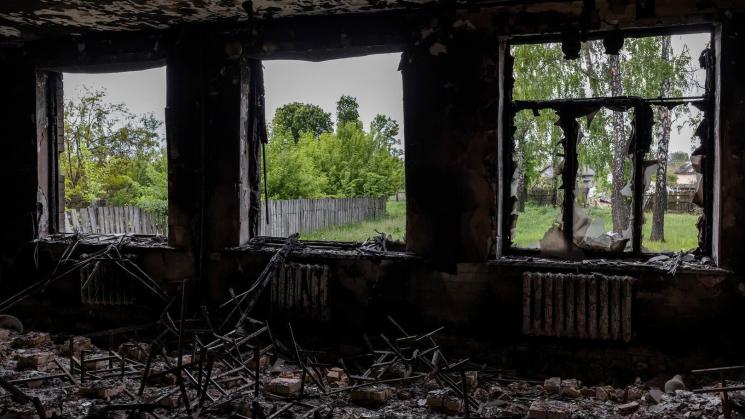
x,y
536,181
602,194
607,119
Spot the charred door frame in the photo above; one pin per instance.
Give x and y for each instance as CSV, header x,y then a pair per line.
x,y
509,108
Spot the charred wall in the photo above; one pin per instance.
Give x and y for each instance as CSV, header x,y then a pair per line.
x,y
450,67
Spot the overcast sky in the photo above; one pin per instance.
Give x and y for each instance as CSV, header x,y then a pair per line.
x,y
374,80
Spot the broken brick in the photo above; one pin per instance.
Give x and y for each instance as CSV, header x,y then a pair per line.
x,y
445,400
34,359
284,386
628,408
31,340
79,343
549,409
337,375
372,395
552,385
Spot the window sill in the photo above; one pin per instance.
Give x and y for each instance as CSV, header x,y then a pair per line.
x,y
128,241
620,265
333,250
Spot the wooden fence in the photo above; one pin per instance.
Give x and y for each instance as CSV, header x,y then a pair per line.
x,y
302,215
677,201
111,220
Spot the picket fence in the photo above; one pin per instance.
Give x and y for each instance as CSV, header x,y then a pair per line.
x,y
113,220
285,217
302,215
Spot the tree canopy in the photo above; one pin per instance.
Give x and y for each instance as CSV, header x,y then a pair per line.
x,y
297,118
347,110
541,73
348,162
111,156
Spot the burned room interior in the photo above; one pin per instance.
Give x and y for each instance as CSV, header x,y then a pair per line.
x,y
566,203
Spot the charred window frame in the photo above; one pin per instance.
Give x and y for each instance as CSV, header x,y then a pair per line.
x,y
569,110
51,141
50,201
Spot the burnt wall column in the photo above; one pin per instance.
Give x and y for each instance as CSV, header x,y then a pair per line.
x,y
729,245
18,161
450,106
227,152
207,173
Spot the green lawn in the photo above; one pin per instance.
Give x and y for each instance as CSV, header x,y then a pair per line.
x,y
680,229
393,224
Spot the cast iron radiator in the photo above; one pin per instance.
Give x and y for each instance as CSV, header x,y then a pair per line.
x,y
104,283
300,290
592,306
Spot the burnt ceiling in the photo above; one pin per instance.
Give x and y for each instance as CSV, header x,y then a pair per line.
x,y
33,19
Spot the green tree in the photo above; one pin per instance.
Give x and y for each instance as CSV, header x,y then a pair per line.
x,y
290,168
541,73
297,118
347,111
346,163
385,132
111,156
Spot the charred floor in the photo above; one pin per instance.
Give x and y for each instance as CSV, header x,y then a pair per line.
x,y
117,314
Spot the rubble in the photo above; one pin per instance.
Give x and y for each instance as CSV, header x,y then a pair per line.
x,y
344,392
243,368
674,384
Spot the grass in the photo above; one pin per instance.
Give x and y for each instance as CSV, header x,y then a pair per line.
x,y
394,224
680,229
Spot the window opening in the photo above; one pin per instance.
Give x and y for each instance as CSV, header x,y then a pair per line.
x,y
622,126
113,167
334,158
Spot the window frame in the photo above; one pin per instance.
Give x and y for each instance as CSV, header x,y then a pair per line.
x,y
638,148
50,115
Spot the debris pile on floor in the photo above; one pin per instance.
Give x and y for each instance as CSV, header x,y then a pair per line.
x,y
43,377
232,365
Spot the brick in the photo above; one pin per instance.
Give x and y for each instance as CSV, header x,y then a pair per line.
x,y
552,385
372,395
31,340
105,390
337,375
654,395
134,352
628,408
93,365
284,386
445,400
549,409
570,388
34,359
263,362
472,380
79,343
